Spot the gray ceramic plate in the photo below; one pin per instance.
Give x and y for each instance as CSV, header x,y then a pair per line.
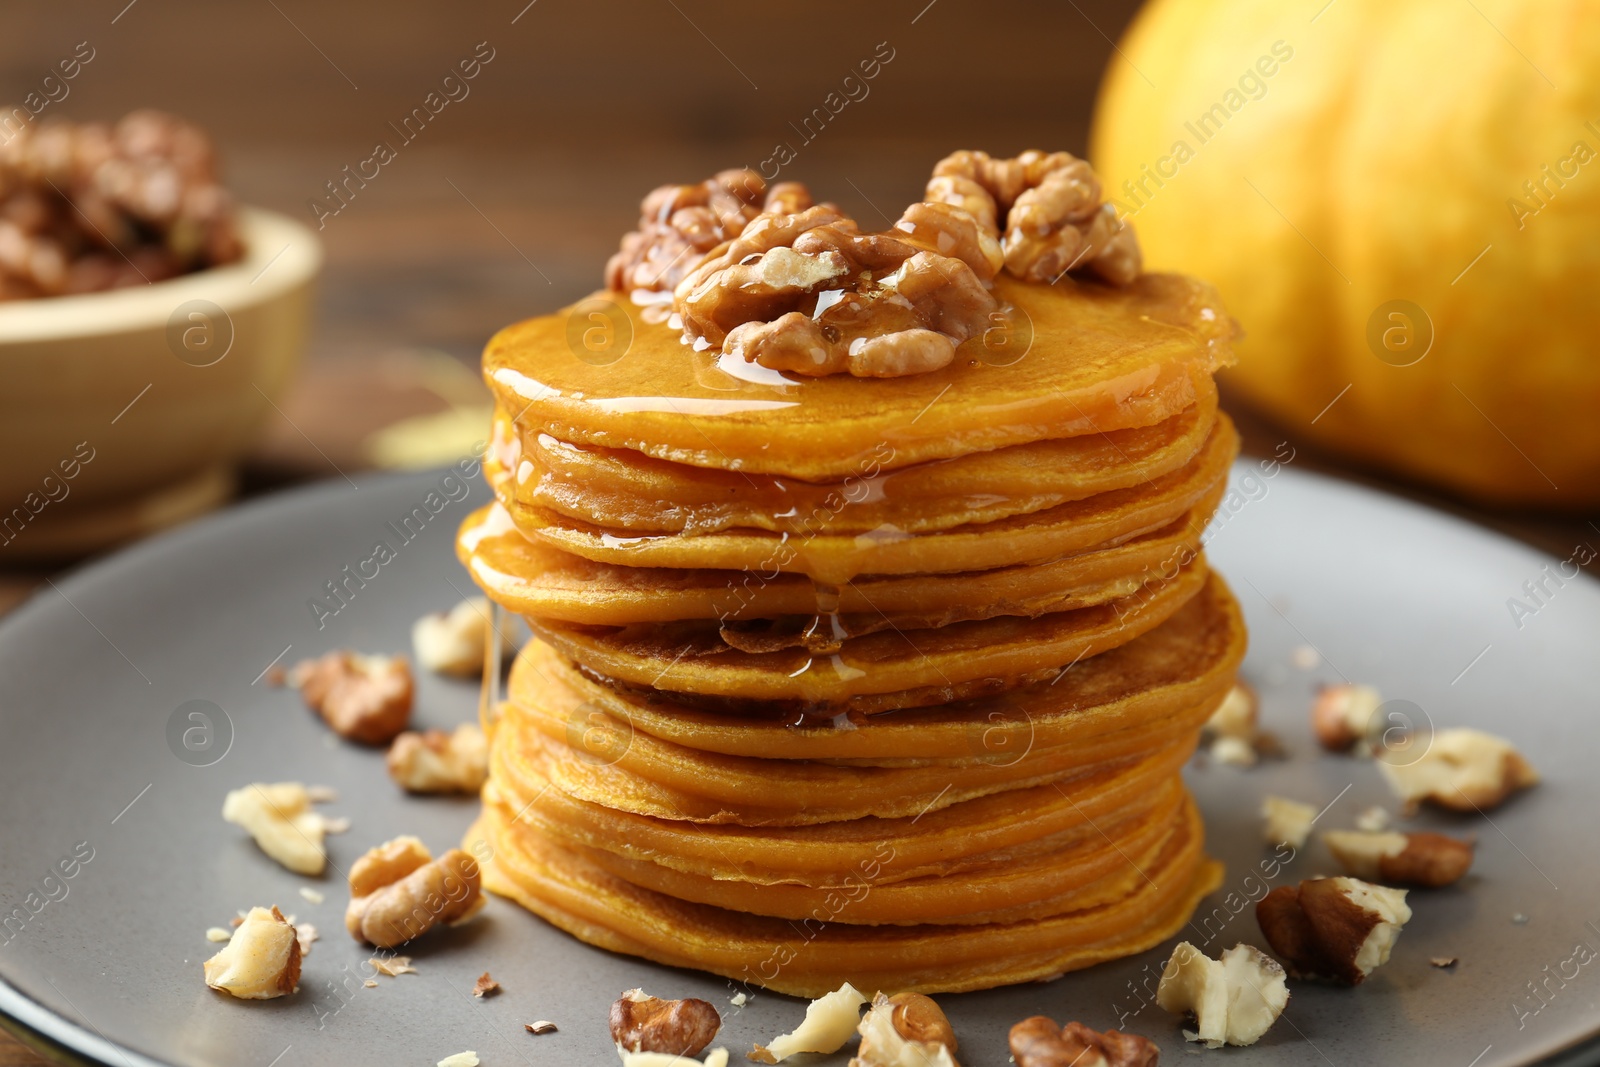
x,y
93,673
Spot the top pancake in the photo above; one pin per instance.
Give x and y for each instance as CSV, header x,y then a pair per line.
x,y
1096,359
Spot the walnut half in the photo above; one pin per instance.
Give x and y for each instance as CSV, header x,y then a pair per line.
x,y
363,698
398,891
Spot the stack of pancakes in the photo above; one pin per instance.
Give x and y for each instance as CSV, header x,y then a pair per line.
x,y
881,681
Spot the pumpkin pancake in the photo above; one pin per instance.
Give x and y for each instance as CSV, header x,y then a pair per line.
x,y
1187,661
815,958
878,671
1098,359
623,490
1106,519
530,577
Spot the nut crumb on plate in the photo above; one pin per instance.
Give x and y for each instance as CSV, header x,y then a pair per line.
x,y
1233,751
830,1021
454,642
1233,1000
485,986
460,1059
1462,770
1039,1042
542,1026
1343,716
280,818
905,1030
260,961
362,698
642,1023
1373,819
217,933
1421,858
399,891
393,966
436,762
1444,963
1236,715
1286,822
1338,930
314,896
370,984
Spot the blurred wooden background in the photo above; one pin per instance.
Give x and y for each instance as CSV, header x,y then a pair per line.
x,y
508,202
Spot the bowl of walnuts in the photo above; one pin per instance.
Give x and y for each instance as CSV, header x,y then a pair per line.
x,y
148,326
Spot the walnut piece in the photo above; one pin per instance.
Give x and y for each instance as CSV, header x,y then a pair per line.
x,y
1236,715
1287,822
1233,1000
1055,220
455,642
1462,769
540,1026
485,986
642,1023
1335,929
280,818
260,961
1343,715
398,891
1039,1042
1421,859
436,762
392,966
460,1059
363,698
905,1030
680,224
830,1021
798,287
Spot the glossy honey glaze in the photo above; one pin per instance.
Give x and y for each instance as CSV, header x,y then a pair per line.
x,y
1061,360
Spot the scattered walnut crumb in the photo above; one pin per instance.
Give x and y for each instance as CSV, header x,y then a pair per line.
x,y
542,1026
275,676
455,642
399,891
830,1021
311,894
1461,769
280,819
642,1023
370,984
1039,1042
1305,657
260,961
1444,962
436,762
904,1030
363,698
739,1000
460,1059
1233,751
1420,858
236,921
1373,820
1335,929
322,794
217,933
1343,716
393,966
1233,1000
336,824
485,986
305,933
1287,822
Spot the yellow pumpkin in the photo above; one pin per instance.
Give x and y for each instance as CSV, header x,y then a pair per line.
x,y
1400,202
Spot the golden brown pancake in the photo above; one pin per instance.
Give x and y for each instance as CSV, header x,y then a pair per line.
x,y
1186,662
1100,359
625,490
877,671
529,577
1106,519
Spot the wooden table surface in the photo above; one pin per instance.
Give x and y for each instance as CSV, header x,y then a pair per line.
x,y
508,202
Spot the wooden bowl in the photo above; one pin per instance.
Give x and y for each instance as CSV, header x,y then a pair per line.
x,y
126,411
